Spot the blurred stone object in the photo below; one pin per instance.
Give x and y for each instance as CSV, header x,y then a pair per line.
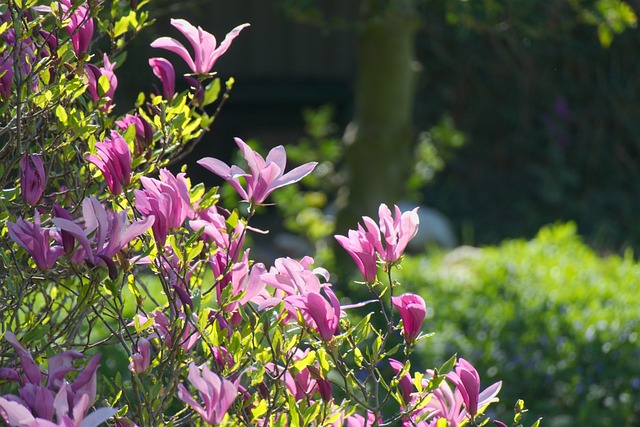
x,y
435,228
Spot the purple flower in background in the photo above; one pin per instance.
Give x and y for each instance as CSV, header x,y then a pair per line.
x,y
67,403
141,358
165,330
68,241
6,73
20,50
114,161
362,251
32,178
204,45
36,240
80,27
217,393
266,175
167,199
105,233
93,76
144,131
163,69
412,311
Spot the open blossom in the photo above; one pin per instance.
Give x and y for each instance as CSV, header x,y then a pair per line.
x,y
397,230
40,404
412,311
163,70
105,233
266,175
214,229
217,393
32,178
362,251
114,161
36,240
167,199
206,51
467,382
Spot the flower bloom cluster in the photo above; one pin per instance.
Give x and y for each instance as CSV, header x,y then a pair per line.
x,y
232,340
56,402
386,240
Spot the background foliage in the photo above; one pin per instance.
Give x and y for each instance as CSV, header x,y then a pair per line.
x,y
559,322
550,117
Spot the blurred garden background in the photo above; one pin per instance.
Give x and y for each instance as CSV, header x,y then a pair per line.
x,y
516,120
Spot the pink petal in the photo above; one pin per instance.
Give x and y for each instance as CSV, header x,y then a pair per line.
x,y
172,45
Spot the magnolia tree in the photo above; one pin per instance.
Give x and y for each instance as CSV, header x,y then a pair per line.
x,y
108,256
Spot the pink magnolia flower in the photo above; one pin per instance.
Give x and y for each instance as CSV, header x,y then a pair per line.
x,y
81,24
217,393
165,330
80,28
38,404
144,131
167,199
293,277
444,403
214,229
362,251
396,231
141,358
32,178
412,311
204,45
406,383
266,175
6,73
36,240
68,241
105,233
114,161
22,51
320,314
467,382
94,73
107,70
163,70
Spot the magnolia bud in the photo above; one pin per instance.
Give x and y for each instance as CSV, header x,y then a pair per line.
x,y
32,178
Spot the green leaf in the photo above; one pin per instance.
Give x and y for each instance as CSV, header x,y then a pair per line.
x,y
197,191
103,85
537,423
121,26
305,361
211,92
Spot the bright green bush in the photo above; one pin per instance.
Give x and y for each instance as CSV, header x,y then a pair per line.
x,y
560,322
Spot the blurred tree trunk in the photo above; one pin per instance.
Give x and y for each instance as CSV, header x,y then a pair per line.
x,y
380,139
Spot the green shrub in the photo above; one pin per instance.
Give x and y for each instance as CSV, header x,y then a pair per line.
x,y
558,322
